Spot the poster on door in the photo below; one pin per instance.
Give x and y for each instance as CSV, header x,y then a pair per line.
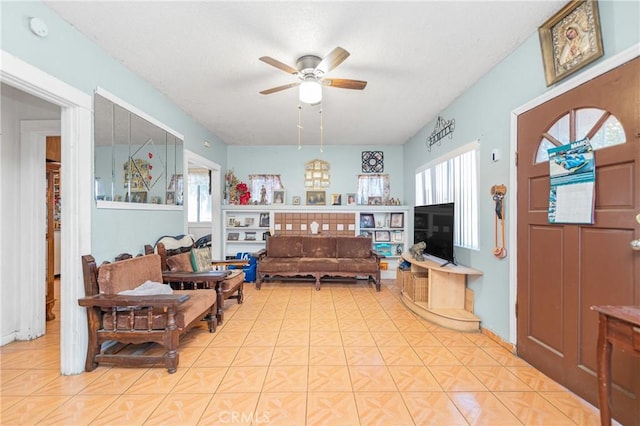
x,y
572,175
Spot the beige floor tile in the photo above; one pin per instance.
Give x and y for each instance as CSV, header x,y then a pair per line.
x,y
232,409
213,356
433,409
382,408
67,385
353,324
399,355
483,408
156,380
436,355
293,338
574,407
229,338
113,381
325,338
28,382
389,338
129,410
535,379
450,338
332,408
253,356
371,378
414,378
421,338
357,338
243,379
31,410
79,410
290,355
324,324
532,409
329,378
282,408
200,380
188,356
456,379
363,355
286,378
261,338
498,378
472,356
179,409
327,355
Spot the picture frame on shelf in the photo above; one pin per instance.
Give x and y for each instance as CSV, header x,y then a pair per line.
x,y
365,234
383,236
399,249
316,198
351,199
265,235
397,236
295,200
278,196
374,201
264,220
336,199
231,221
249,221
250,236
233,236
367,220
136,197
570,39
397,220
171,197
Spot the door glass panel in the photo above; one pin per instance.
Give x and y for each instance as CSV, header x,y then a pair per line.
x,y
542,154
560,129
586,118
611,133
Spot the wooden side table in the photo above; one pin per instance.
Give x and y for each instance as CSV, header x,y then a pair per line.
x,y
619,325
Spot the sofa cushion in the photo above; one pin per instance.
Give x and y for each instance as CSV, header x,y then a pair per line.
x,y
236,277
366,266
180,262
201,259
353,247
278,264
284,246
129,274
323,247
316,264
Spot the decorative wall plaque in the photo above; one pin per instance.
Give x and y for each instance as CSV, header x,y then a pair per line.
x,y
372,161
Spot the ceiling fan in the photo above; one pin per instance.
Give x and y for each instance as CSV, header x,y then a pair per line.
x,y
310,70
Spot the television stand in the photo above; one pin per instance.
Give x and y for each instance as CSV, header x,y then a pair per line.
x,y
439,293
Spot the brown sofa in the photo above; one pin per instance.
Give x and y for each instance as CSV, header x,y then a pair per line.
x,y
318,256
116,321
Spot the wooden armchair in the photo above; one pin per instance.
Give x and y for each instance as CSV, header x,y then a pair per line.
x,y
117,321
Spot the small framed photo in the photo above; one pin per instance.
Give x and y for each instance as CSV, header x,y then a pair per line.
x,y
336,199
316,198
265,235
383,236
365,234
170,198
397,236
278,196
249,221
155,200
367,220
570,39
374,201
250,236
295,200
137,197
233,236
397,220
264,220
231,221
351,199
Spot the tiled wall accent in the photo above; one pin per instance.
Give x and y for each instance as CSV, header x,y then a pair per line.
x,y
330,224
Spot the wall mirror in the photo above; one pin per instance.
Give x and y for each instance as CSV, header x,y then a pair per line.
x,y
138,161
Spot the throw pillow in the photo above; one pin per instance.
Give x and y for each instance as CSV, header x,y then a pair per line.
x,y
201,259
180,262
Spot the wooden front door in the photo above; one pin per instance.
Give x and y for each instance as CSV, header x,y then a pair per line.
x,y
565,269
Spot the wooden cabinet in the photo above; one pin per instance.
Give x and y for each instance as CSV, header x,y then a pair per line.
x,y
439,293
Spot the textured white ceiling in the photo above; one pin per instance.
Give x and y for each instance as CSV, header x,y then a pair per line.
x,y
416,56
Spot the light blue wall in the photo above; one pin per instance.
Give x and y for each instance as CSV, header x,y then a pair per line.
x,y
288,161
483,113
71,57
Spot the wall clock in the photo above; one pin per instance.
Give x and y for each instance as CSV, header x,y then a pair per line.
x,y
372,161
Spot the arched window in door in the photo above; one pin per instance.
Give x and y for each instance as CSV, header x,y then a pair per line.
x,y
601,127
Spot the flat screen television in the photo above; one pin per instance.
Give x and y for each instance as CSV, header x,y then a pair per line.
x,y
433,224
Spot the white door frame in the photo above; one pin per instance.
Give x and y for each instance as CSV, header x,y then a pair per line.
x,y
32,225
216,200
597,70
76,184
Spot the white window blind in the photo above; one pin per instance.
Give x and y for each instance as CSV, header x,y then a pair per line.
x,y
454,178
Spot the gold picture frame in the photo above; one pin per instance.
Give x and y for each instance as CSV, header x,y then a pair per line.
x,y
570,39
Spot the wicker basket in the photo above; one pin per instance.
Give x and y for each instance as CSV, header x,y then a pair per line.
x,y
420,287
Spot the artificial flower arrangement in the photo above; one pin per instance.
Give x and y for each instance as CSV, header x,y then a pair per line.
x,y
236,191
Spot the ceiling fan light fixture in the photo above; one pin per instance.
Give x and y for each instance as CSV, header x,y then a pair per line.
x,y
310,92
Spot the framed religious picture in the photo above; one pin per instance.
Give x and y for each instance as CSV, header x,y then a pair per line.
x,y
336,199
397,220
278,196
367,220
570,39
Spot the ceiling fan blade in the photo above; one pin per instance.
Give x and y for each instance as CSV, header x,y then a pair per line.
x,y
275,63
344,83
279,88
332,60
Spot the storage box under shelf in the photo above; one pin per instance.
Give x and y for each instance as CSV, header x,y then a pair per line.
x,y
420,286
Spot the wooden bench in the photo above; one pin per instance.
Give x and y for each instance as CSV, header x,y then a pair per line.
x,y
116,321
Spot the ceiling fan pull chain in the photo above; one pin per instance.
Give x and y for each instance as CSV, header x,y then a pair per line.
x,y
321,133
299,125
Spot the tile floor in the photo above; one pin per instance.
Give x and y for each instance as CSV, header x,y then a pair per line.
x,y
290,355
